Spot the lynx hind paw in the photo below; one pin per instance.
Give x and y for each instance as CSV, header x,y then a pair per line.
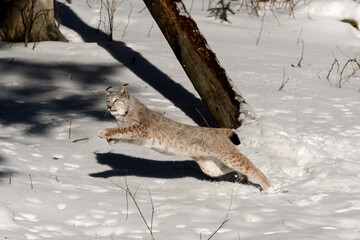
x,y
241,178
233,177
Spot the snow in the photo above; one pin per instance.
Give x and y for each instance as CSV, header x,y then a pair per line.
x,y
60,181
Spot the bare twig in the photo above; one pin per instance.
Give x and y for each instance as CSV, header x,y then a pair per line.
x,y
283,81
332,67
128,20
31,182
132,196
207,124
261,29
152,210
298,40
69,130
342,52
87,2
110,8
191,6
341,79
302,54
277,19
142,10
226,219
152,25
10,175
80,139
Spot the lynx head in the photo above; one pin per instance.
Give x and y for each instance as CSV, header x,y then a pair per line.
x,y
118,102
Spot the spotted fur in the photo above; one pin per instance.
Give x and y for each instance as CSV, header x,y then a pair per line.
x,y
212,148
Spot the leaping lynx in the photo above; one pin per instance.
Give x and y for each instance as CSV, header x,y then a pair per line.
x,y
211,148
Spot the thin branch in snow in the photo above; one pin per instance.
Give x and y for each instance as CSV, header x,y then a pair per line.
x,y
152,25
10,175
332,67
80,139
11,60
133,197
302,54
128,20
31,182
261,29
207,124
277,19
191,6
226,219
297,43
354,70
283,81
142,10
152,210
69,130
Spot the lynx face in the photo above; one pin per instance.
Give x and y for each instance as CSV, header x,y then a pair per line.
x,y
118,102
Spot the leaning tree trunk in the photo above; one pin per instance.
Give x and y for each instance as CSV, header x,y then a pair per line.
x,y
210,80
28,21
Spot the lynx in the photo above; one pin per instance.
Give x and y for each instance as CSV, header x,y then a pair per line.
x,y
212,148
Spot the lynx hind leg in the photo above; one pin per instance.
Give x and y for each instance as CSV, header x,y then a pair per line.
x,y
219,171
235,160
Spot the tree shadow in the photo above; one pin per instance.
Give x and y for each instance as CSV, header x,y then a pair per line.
x,y
140,66
26,103
123,165
3,174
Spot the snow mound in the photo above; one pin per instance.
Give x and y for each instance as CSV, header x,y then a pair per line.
x,y
334,9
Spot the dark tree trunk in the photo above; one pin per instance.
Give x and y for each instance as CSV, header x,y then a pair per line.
x,y
210,80
28,21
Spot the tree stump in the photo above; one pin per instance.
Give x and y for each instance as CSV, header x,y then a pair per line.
x,y
28,21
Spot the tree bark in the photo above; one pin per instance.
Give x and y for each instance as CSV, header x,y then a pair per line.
x,y
28,21
210,80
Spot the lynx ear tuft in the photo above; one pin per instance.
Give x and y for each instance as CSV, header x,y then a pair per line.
x,y
107,91
123,91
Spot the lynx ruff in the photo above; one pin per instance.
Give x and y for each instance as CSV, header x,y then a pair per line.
x,y
212,148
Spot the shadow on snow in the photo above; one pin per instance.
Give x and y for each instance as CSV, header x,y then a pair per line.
x,y
40,96
25,103
140,66
123,165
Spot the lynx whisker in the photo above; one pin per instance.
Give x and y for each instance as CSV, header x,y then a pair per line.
x,y
106,114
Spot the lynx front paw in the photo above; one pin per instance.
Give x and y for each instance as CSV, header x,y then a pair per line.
x,y
111,141
102,133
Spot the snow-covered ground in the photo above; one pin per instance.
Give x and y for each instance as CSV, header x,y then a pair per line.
x,y
58,180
